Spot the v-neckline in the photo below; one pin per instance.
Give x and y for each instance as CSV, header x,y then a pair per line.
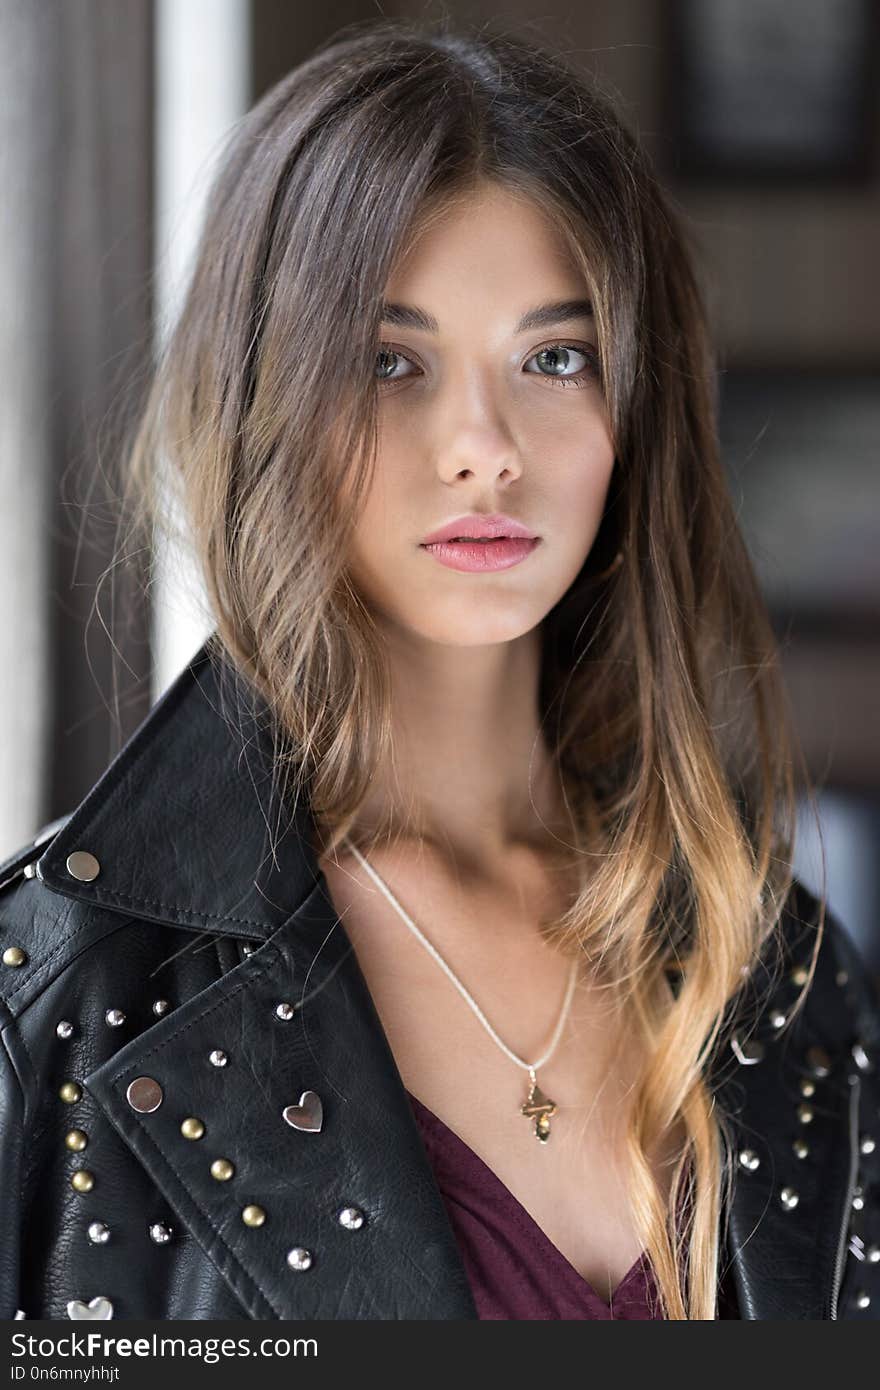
x,y
536,1230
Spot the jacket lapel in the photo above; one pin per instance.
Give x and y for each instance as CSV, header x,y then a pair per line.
x,y
402,1261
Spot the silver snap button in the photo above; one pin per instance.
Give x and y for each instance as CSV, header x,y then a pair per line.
x,y
749,1160
218,1057
99,1234
789,1198
160,1007
83,866
144,1094
115,1017
64,1029
160,1234
284,1011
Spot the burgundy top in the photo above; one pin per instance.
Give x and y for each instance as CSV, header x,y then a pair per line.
x,y
514,1269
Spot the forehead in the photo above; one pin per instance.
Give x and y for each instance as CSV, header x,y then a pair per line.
x,y
492,238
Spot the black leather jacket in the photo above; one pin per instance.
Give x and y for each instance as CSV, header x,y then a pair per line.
x,y
171,983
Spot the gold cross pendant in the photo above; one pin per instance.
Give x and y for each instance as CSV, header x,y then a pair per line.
x,y
539,1107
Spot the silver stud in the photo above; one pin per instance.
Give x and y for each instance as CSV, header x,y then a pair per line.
x,y
144,1094
842,978
818,1061
860,1056
747,1052
872,1254
218,1058
115,1017
159,1233
805,1114
856,1246
64,1029
99,1234
858,1200
298,1258
749,1160
799,975
352,1218
248,949
789,1198
863,1299
868,1144
284,1011
30,870
160,1007
83,866
777,1019
19,1315
98,1310
808,1087
801,1148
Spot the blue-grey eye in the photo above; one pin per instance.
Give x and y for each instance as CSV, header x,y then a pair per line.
x,y
557,359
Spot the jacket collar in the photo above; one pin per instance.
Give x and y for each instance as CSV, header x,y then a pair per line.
x,y
186,823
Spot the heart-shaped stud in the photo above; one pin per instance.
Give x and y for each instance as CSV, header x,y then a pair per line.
x,y
97,1309
308,1115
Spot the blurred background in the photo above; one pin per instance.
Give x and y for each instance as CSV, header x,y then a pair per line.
x,y
762,119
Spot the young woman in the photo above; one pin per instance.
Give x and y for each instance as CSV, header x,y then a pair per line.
x,y
481,789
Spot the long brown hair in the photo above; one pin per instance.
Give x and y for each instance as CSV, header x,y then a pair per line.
x,y
659,675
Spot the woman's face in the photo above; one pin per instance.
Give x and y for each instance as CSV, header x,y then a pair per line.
x,y
483,415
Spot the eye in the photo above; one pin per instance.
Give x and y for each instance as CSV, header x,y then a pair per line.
x,y
557,357
387,358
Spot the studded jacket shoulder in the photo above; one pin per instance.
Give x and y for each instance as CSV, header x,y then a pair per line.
x,y
200,1115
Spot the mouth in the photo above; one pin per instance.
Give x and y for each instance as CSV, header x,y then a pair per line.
x,y
481,555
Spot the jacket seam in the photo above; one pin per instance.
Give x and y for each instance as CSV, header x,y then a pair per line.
x,y
59,949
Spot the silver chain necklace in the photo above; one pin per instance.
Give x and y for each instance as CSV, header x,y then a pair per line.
x,y
537,1105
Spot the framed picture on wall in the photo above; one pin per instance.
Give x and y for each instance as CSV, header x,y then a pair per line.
x,y
767,90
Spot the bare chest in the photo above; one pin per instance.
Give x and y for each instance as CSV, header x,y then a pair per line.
x,y
574,1184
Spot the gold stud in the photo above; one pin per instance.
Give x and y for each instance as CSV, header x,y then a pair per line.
x,y
253,1215
805,1114
799,975
808,1088
222,1169
76,1139
192,1128
82,1180
801,1148
14,955
70,1092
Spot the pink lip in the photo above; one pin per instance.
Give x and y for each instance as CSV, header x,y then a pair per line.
x,y
482,556
474,525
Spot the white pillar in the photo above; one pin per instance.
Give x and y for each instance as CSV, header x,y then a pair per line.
x,y
203,66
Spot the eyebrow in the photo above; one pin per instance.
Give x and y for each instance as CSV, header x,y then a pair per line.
x,y
542,316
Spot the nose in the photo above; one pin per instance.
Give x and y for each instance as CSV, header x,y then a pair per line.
x,y
484,455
